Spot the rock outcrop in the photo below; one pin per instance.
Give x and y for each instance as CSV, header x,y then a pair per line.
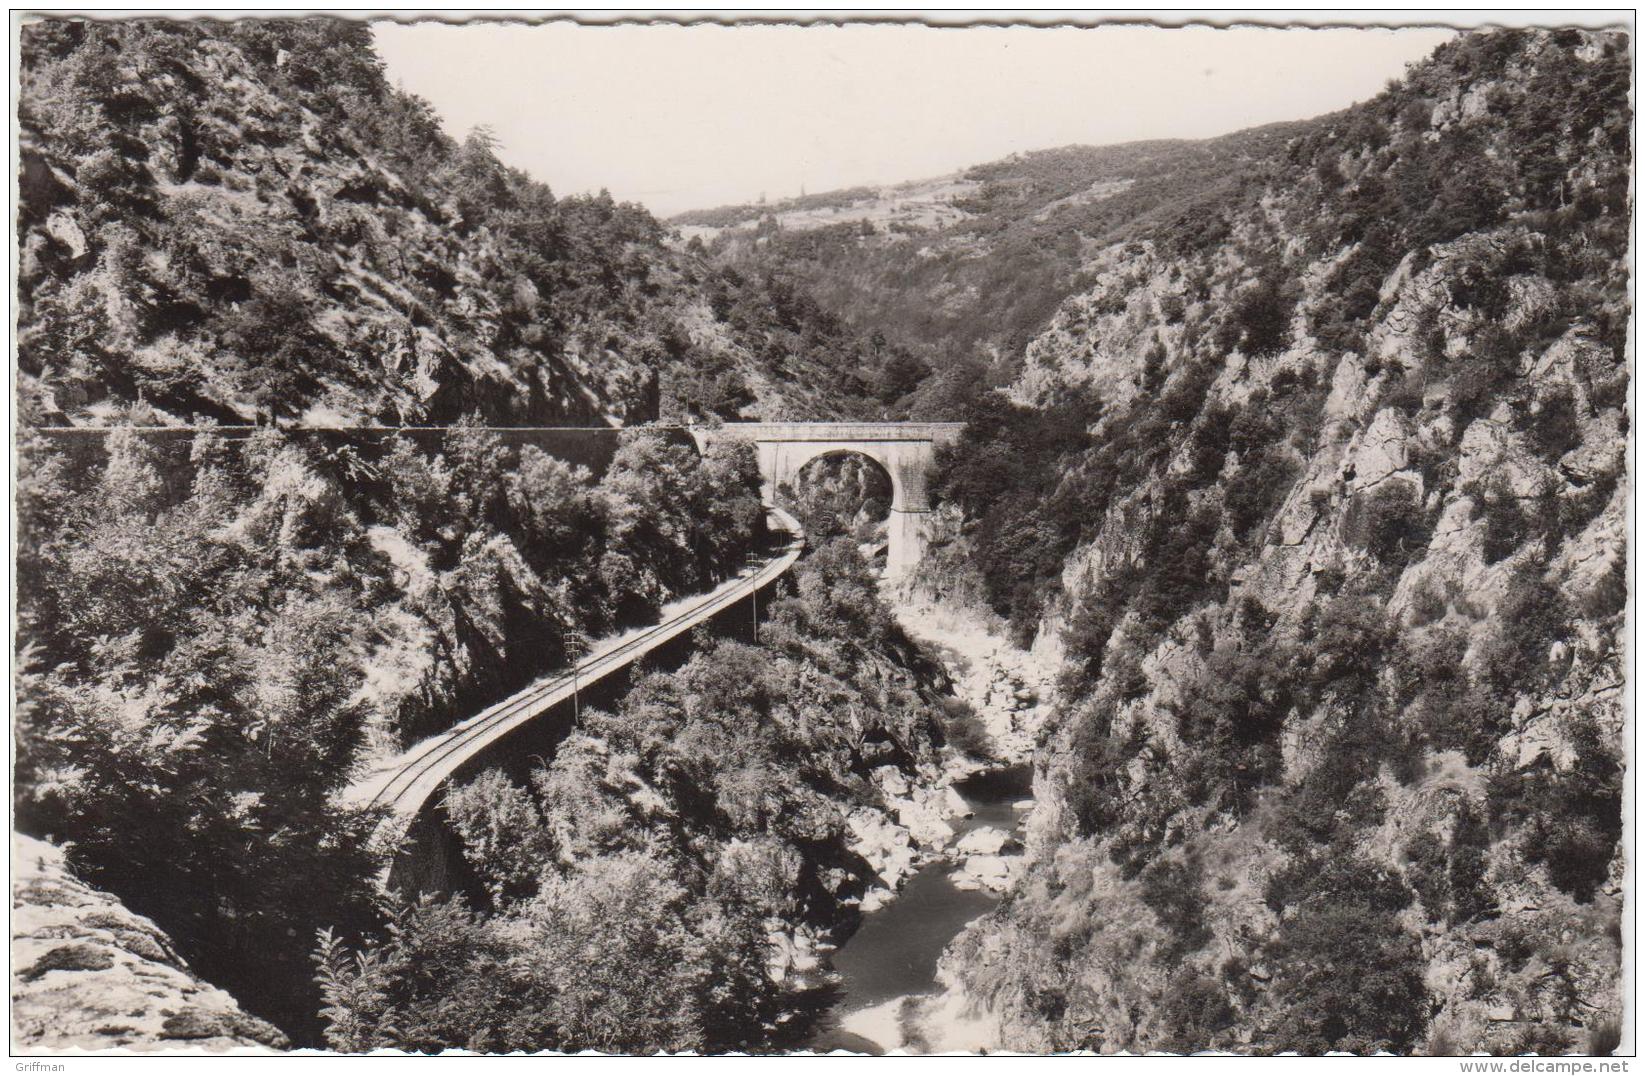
x,y
87,974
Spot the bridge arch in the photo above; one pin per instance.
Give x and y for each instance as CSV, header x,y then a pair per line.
x,y
906,450
853,484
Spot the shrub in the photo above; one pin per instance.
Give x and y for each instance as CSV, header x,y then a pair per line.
x,y
1449,875
1447,710
1389,523
1484,376
1609,594
1231,719
1257,490
1175,891
1178,572
1262,317
1552,424
1604,1036
1442,1042
1347,641
1404,392
964,730
1543,1040
1571,819
1096,786
1507,525
1185,395
1197,1011
1208,446
1427,604
1532,615
1346,975
1516,944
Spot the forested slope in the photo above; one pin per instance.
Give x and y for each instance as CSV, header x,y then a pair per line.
x,y
223,221
243,219
658,883
214,634
1322,495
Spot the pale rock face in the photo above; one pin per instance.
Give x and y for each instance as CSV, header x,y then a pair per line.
x,y
1094,337
1591,554
89,974
875,899
1492,450
1010,691
926,819
1382,454
891,780
1348,385
63,227
794,957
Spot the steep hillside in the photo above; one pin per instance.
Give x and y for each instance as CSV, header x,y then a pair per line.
x,y
217,630
244,220
224,220
1322,496
962,271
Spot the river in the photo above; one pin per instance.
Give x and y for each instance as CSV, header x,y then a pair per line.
x,y
893,955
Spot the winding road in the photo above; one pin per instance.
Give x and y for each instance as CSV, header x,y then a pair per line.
x,y
404,783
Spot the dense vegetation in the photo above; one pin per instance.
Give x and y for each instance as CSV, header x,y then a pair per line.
x,y
1330,468
243,219
844,494
731,215
632,882
213,633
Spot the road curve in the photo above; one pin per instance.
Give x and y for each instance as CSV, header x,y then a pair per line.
x,y
406,782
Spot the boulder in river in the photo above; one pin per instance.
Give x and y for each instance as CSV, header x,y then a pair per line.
x,y
986,841
923,817
991,872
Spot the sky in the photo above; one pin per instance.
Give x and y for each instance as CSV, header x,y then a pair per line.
x,y
691,117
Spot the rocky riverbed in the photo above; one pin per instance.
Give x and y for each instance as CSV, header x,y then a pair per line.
x,y
947,847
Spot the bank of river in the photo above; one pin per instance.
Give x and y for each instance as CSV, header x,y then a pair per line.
x,y
890,962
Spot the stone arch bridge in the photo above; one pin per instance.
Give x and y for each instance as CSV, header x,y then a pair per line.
x,y
907,451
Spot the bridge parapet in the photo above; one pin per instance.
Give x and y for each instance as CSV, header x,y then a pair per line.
x,y
941,433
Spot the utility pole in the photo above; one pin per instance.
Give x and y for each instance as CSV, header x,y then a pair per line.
x,y
576,642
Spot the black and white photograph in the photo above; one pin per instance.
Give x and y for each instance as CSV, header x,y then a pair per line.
x,y
828,533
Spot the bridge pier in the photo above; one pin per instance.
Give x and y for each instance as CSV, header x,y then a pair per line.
x,y
907,531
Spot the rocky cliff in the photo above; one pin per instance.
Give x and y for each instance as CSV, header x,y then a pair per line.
x,y
1339,761
89,975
